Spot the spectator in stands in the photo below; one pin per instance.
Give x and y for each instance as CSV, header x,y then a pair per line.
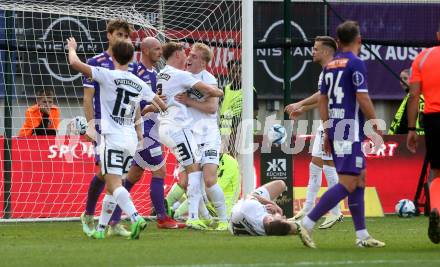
x,y
399,125
42,118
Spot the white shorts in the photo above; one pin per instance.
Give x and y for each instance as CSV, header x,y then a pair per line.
x,y
318,145
209,146
181,142
262,191
116,153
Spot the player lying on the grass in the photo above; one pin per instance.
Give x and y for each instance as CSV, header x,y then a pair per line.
x,y
119,100
323,51
117,29
345,106
258,214
203,111
228,178
175,125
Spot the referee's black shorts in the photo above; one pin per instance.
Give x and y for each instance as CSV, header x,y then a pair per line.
x,y
431,123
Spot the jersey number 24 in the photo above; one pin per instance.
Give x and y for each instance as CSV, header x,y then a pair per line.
x,y
334,89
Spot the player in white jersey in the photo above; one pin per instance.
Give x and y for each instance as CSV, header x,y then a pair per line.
x,y
323,51
259,215
203,111
119,99
175,125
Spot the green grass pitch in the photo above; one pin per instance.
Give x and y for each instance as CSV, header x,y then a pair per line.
x,y
63,244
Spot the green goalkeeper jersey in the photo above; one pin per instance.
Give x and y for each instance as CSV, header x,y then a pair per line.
x,y
228,175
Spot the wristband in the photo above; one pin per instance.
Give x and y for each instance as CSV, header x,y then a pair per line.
x,y
411,128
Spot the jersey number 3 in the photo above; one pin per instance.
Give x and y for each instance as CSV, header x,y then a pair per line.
x,y
334,89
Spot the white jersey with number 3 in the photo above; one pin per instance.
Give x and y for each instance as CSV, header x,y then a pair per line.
x,y
205,124
172,81
120,94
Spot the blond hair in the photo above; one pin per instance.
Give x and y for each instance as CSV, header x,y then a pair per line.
x,y
205,50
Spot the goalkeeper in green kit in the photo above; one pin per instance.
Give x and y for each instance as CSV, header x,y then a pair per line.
x,y
228,179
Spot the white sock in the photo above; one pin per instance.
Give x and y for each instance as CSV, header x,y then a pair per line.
x,y
315,179
203,211
108,206
362,234
332,179
194,194
308,223
217,197
176,205
124,201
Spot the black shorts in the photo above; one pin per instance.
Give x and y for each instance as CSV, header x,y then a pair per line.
x,y
432,138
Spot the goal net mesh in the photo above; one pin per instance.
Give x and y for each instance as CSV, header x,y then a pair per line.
x,y
48,176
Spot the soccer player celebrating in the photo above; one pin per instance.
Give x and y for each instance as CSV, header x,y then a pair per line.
x,y
323,51
425,80
259,215
150,157
203,111
174,125
344,105
117,29
118,99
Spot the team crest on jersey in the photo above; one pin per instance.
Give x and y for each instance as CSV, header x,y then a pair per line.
x,y
358,78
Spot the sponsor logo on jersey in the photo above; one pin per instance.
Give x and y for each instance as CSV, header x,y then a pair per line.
x,y
337,63
130,83
164,76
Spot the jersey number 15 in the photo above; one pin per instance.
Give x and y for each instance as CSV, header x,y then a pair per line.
x,y
124,102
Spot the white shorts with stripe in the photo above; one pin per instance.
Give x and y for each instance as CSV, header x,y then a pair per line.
x,y
181,142
116,153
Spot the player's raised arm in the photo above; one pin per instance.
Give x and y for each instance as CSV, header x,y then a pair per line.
x,y
74,60
208,89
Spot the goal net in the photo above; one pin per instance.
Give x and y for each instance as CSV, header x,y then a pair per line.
x,y
48,176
